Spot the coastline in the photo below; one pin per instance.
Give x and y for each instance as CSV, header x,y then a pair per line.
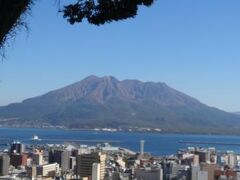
x,y
105,130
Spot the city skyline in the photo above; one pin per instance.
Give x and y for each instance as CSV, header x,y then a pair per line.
x,y
191,46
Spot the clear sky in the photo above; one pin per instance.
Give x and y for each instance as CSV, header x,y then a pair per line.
x,y
193,46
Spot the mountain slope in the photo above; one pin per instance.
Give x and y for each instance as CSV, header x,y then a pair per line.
x,y
108,102
236,113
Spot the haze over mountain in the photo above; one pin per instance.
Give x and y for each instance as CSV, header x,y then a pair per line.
x,y
98,102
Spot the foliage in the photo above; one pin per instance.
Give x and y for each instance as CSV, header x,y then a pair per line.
x,y
95,11
102,11
11,17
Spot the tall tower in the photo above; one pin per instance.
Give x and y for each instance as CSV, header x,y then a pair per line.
x,y
142,147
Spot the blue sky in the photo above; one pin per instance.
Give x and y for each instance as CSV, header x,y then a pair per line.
x,y
193,46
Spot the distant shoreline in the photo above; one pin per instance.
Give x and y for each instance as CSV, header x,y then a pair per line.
x,y
119,131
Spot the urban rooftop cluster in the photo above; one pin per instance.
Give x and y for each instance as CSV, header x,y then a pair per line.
x,y
106,162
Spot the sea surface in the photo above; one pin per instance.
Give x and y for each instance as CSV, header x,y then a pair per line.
x,y
155,143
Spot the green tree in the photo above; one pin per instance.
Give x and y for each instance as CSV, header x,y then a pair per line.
x,y
96,12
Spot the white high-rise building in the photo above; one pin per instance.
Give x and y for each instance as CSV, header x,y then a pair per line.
x,y
195,160
96,171
194,172
231,160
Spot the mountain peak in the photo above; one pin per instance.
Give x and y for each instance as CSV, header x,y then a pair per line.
x,y
97,78
90,77
107,102
109,78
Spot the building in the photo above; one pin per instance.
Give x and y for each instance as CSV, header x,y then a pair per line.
x,y
17,147
177,171
231,159
194,172
203,156
65,160
62,157
202,175
195,160
96,171
31,171
72,163
228,173
82,150
85,164
48,170
4,164
210,169
115,176
149,173
37,159
18,160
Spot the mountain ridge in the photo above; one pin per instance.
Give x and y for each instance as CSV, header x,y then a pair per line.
x,y
108,102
